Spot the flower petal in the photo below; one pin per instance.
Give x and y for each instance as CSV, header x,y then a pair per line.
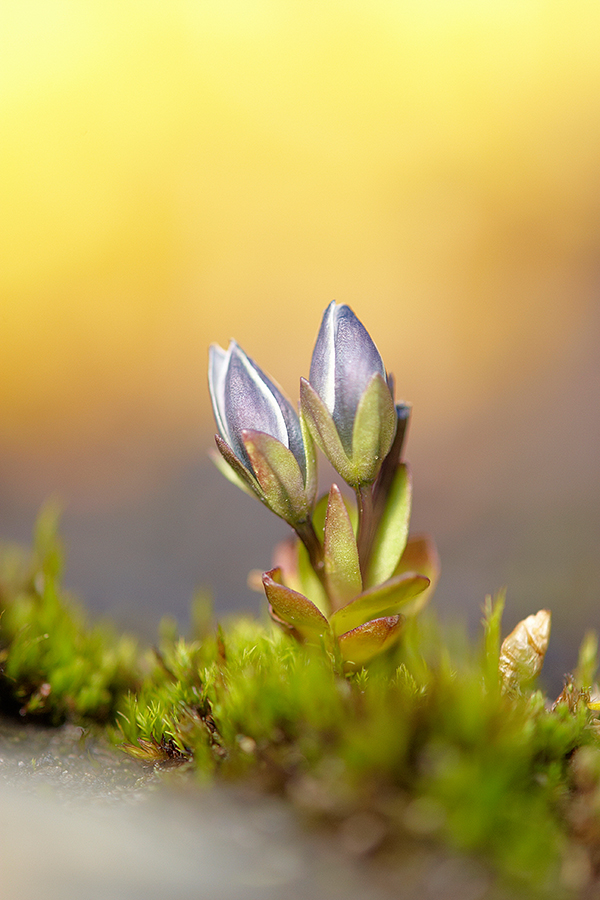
x,y
218,360
384,599
322,365
357,359
343,362
293,608
250,403
361,644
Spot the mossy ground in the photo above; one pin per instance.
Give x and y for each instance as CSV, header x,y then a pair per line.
x,y
422,745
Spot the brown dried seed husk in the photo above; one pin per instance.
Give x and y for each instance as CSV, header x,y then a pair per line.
x,y
523,651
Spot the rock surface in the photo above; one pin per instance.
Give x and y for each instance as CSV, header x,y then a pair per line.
x,y
80,819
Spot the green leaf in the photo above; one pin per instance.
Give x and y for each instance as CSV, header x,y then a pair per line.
x,y
392,530
385,599
278,473
361,644
342,567
320,512
293,608
323,430
373,432
420,555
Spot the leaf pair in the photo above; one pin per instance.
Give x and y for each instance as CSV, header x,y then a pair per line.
x,y
363,627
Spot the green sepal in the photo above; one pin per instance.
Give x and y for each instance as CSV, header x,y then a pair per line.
x,y
386,599
342,567
235,471
294,609
360,645
420,555
310,482
279,475
322,427
392,529
373,431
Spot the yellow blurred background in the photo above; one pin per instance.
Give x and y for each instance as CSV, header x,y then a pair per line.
x,y
185,172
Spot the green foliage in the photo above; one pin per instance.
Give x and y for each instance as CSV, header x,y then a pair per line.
x,y
392,530
53,664
425,738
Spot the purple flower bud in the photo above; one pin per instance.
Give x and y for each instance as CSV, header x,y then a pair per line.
x,y
261,439
344,361
244,398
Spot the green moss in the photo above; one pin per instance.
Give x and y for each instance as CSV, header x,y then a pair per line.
x,y
54,665
425,739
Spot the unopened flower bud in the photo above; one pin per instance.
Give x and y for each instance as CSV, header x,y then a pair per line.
x,y
260,435
347,402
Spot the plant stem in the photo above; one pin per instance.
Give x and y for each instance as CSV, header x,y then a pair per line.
x,y
390,463
308,536
364,497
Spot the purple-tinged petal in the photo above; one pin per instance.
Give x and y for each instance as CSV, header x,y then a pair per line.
x,y
343,363
357,359
218,360
245,400
295,440
249,403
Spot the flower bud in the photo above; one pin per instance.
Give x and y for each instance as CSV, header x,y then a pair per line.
x,y
260,435
347,402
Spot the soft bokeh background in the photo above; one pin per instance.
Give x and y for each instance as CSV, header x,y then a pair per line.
x,y
176,174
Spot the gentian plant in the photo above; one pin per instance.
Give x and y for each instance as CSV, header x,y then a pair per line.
x,y
352,574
